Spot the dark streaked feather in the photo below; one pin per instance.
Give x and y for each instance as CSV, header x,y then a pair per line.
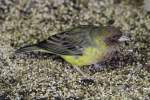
x,y
67,43
71,42
62,45
28,48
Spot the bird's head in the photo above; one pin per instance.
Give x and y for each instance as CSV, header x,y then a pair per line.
x,y
114,36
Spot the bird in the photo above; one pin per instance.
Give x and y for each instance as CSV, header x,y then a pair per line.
x,y
81,45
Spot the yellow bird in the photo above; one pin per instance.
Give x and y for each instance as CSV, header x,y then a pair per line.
x,y
82,45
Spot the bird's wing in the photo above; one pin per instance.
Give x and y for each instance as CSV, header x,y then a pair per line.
x,y
66,43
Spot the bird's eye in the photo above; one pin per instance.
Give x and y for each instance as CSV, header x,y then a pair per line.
x,y
116,37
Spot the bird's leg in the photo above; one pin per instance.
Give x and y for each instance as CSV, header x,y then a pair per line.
x,y
86,79
79,70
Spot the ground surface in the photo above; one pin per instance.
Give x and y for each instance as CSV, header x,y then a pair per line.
x,y
25,22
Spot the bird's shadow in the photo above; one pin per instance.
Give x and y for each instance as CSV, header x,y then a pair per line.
x,y
114,61
37,55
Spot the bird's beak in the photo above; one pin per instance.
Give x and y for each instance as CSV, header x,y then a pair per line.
x,y
123,39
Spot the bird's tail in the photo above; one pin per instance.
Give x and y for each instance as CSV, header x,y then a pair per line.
x,y
28,48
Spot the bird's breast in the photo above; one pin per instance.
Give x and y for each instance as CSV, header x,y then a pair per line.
x,y
90,55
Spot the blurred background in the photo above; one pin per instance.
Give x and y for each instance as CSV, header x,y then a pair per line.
x,y
25,22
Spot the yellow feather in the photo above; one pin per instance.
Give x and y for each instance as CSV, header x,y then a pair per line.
x,y
90,55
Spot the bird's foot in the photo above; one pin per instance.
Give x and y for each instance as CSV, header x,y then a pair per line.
x,y
87,81
85,78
